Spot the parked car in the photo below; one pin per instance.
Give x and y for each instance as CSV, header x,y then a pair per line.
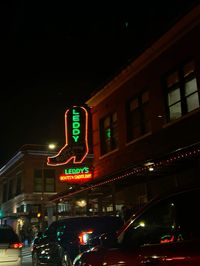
x,y
10,247
64,239
166,232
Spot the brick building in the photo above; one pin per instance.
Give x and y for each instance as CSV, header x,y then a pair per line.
x,y
26,184
146,132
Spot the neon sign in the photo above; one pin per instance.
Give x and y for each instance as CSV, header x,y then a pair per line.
x,y
78,170
76,135
75,125
76,175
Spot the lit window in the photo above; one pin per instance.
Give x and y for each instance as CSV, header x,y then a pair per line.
x,y
183,94
108,133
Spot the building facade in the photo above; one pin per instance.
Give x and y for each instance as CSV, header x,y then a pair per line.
x,y
145,130
26,184
145,124
149,114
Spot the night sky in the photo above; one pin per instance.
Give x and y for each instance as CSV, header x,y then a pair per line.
x,y
55,54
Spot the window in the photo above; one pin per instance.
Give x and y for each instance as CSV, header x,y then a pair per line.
x,y
20,209
182,92
5,192
34,209
18,185
138,122
44,180
155,226
38,186
52,230
108,133
187,215
49,180
10,189
171,220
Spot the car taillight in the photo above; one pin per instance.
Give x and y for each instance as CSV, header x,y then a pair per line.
x,y
84,236
16,245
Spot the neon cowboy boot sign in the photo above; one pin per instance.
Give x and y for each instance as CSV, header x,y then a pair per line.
x,y
76,134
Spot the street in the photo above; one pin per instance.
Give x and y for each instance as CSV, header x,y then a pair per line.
x,y
26,256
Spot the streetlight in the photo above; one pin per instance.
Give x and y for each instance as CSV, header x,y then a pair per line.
x,y
44,153
50,146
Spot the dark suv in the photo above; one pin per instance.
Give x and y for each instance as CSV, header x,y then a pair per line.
x,y
166,232
10,247
66,238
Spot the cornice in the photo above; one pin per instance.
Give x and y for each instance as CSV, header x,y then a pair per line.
x,y
11,162
21,154
181,28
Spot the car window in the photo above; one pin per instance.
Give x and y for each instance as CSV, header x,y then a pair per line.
x,y
98,225
8,236
52,229
157,225
187,206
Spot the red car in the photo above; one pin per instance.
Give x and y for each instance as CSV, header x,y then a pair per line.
x,y
166,232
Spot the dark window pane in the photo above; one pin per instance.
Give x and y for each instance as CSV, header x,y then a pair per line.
x,y
44,180
18,185
49,180
138,121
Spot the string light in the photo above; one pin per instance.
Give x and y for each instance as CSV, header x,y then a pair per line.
x,y
138,170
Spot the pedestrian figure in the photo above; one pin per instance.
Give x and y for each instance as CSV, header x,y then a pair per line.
x,y
22,234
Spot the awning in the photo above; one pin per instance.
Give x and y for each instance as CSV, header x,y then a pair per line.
x,y
170,161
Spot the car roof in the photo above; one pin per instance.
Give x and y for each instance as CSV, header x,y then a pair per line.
x,y
89,218
96,222
173,192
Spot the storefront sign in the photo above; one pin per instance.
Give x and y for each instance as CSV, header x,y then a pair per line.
x,y
76,134
76,175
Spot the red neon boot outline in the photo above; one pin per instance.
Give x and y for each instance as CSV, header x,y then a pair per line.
x,y
70,150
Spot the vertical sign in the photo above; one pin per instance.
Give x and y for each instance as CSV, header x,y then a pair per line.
x,y
76,135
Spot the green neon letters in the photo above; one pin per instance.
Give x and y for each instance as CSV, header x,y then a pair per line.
x,y
76,125
78,170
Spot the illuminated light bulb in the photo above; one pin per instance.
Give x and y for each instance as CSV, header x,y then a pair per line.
x,y
142,224
52,146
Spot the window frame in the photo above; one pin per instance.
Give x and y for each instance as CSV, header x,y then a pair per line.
x,y
106,147
185,226
143,124
134,227
181,85
41,175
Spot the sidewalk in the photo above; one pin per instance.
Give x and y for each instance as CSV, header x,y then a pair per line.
x,y
26,251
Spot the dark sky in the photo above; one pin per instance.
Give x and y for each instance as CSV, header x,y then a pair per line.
x,y
56,53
